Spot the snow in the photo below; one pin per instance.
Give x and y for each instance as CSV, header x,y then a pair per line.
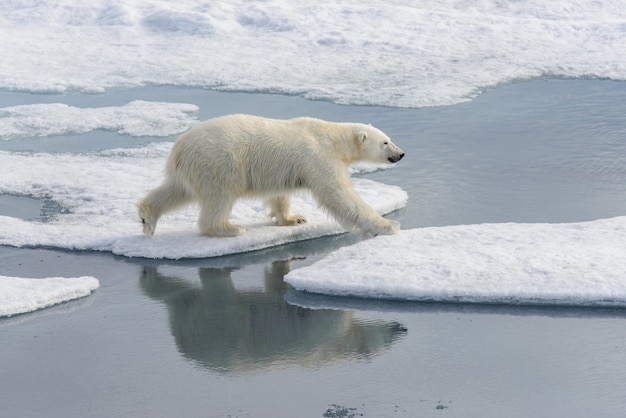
x,y
560,264
402,53
137,118
20,295
96,193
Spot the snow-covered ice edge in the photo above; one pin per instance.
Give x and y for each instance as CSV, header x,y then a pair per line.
x,y
555,264
21,295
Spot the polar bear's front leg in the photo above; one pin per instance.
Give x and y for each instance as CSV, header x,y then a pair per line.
x,y
280,211
347,207
380,227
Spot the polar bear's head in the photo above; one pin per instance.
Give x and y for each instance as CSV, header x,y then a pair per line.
x,y
377,147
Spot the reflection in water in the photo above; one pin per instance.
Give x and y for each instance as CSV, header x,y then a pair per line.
x,y
224,329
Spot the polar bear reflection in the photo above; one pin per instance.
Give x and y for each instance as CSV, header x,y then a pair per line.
x,y
228,330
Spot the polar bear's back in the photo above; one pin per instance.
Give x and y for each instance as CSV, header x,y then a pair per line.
x,y
243,128
244,135
249,153
251,138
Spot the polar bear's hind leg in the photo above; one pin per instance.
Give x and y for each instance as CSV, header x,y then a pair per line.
x,y
214,219
280,211
148,219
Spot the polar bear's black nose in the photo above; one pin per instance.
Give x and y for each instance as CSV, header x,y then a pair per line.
x,y
396,158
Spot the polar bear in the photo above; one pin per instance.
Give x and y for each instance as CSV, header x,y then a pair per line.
x,y
240,156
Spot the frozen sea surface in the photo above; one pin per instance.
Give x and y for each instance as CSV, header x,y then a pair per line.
x,y
401,53
137,118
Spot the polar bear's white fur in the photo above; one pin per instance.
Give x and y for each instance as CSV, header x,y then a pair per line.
x,y
223,159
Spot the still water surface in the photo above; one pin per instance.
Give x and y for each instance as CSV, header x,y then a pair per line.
x,y
219,337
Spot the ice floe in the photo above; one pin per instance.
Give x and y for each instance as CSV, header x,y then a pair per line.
x,y
96,194
397,53
563,264
137,118
21,295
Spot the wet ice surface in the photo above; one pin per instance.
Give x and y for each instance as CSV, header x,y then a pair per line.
x,y
22,207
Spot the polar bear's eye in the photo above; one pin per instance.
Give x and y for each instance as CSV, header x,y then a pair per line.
x,y
385,143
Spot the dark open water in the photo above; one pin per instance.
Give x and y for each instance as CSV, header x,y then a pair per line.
x,y
218,338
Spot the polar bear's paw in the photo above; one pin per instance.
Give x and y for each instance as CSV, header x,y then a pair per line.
x,y
292,220
148,220
229,230
381,227
285,218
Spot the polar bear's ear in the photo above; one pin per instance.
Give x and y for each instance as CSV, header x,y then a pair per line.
x,y
362,136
